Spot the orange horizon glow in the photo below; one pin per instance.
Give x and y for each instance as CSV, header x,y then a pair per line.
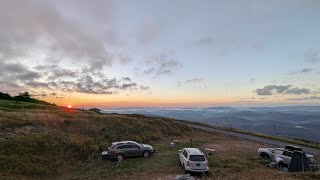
x,y
107,102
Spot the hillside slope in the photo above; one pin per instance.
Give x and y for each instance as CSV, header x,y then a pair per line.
x,y
44,141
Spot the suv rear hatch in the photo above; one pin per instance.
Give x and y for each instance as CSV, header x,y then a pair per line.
x,y
197,162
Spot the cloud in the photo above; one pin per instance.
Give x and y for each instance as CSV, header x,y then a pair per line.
x,y
281,89
55,72
163,64
223,44
312,56
303,71
126,79
15,76
194,80
129,86
204,41
298,91
40,25
191,81
305,98
167,67
252,80
149,71
92,85
144,88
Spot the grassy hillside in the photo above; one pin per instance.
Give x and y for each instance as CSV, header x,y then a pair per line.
x,y
44,141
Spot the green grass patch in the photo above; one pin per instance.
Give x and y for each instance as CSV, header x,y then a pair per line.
x,y
10,105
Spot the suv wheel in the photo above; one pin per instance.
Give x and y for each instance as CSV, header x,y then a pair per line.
x,y
146,154
281,165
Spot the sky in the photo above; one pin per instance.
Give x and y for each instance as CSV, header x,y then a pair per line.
x,y
162,53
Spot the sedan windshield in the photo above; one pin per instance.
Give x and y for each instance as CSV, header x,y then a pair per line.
x,y
197,158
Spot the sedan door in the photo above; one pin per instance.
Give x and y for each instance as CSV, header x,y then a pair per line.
x,y
135,150
125,150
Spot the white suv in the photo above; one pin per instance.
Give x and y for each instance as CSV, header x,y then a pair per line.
x,y
193,160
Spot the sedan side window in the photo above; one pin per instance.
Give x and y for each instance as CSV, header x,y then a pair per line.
x,y
134,146
124,147
120,147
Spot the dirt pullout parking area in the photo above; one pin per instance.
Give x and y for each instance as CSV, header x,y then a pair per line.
x,y
232,145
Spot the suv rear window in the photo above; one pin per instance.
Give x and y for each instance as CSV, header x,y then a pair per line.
x,y
197,158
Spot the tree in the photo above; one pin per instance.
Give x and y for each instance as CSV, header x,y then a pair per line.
x,y
95,110
5,96
24,97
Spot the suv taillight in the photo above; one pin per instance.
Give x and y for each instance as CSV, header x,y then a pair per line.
x,y
207,163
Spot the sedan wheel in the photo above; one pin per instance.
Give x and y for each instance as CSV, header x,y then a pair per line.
x,y
119,157
146,154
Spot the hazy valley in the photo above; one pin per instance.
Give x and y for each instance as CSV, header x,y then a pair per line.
x,y
297,122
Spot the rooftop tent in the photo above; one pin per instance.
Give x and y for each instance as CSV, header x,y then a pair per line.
x,y
293,148
299,162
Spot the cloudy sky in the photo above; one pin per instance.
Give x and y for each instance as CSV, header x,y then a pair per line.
x,y
162,52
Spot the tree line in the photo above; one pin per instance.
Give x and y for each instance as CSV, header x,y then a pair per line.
x,y
24,97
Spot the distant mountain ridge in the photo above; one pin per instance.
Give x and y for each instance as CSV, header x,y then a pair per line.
x,y
287,121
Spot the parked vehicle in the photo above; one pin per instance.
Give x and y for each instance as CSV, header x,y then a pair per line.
x,y
193,160
123,149
282,156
